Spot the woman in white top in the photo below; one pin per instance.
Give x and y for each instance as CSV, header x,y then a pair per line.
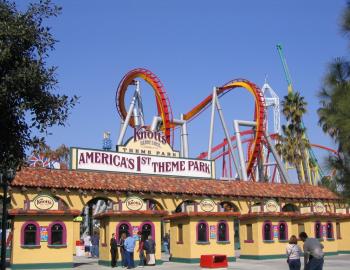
x,y
293,252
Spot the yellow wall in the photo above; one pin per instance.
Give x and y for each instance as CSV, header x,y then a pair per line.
x,y
344,242
76,200
111,227
190,249
44,254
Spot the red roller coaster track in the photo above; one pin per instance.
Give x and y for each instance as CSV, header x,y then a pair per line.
x,y
162,100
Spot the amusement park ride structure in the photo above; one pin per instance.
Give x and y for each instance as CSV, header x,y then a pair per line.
x,y
251,153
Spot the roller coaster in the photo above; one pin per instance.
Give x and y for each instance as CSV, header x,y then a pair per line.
x,y
247,155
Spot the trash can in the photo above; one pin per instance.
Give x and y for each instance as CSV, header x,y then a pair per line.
x,y
213,261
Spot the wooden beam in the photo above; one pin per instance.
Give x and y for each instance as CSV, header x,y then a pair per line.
x,y
23,189
66,190
53,191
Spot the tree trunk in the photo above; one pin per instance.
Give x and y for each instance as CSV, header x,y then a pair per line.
x,y
299,173
305,161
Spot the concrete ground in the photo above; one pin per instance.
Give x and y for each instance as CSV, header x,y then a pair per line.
x,y
339,262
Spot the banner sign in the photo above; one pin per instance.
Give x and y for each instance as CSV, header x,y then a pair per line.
x,y
43,234
212,232
275,231
98,160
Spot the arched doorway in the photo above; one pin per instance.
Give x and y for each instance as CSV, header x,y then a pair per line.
x,y
152,204
96,205
289,207
186,206
226,206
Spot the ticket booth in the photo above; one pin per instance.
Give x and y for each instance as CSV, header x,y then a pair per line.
x,y
124,220
193,234
44,238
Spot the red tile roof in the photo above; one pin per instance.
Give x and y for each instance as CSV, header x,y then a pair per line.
x,y
203,214
112,213
294,215
22,212
89,180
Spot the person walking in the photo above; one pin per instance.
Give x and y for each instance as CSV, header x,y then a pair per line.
x,y
141,250
95,245
122,249
129,245
114,250
293,252
87,245
313,252
166,241
150,247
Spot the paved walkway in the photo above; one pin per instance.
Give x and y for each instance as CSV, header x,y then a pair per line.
x,y
340,262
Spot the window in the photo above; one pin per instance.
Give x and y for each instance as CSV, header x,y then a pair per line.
x,y
202,232
179,233
123,227
282,231
30,234
267,231
337,225
222,233
57,234
330,230
301,228
147,229
249,232
318,230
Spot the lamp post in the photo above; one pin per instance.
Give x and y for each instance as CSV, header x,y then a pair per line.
x,y
5,180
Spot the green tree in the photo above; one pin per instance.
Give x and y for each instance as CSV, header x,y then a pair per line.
x,y
28,104
294,145
334,115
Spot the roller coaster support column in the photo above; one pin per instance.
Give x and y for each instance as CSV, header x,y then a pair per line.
x,y
215,101
128,116
212,117
184,135
240,148
277,158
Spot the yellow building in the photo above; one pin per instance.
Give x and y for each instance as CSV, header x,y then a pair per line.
x,y
203,216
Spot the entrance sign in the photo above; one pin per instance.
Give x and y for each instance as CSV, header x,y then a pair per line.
x,y
207,205
43,202
97,160
148,142
134,203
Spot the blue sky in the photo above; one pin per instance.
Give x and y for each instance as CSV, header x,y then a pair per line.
x,y
192,46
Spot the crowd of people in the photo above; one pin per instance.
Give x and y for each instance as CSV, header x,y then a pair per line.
x,y
125,246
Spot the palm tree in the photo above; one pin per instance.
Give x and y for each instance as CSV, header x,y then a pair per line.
x,y
288,149
293,108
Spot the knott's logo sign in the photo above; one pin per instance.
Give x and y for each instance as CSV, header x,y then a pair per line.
x,y
44,202
144,134
207,205
148,142
319,207
97,160
272,206
134,203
